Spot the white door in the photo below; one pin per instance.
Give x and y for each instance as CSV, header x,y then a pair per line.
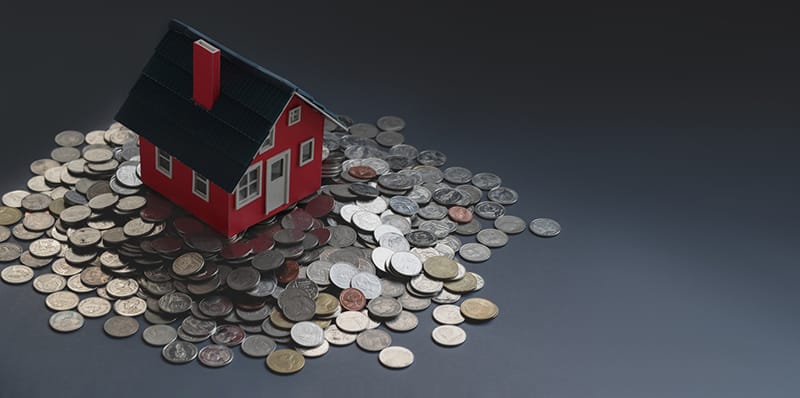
x,y
277,180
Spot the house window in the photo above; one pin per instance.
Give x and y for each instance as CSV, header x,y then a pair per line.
x,y
294,115
200,185
164,162
306,151
249,187
269,142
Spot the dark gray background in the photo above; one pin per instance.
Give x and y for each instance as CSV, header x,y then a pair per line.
x,y
664,140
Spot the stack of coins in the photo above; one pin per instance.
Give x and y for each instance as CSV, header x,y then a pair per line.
x,y
381,241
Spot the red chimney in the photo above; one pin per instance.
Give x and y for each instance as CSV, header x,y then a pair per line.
x,y
205,71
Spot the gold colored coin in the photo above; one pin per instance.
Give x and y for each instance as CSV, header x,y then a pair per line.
x,y
440,267
9,215
464,285
279,320
479,309
285,361
323,323
326,304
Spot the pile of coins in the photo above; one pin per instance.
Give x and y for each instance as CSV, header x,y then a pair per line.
x,y
380,242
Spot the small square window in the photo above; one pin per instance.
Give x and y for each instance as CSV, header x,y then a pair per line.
x,y
294,115
164,162
200,186
306,152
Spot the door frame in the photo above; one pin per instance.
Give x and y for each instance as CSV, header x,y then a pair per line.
x,y
287,157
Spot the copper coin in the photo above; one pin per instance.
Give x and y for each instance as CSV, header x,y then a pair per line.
x,y
460,214
352,299
320,206
362,172
287,272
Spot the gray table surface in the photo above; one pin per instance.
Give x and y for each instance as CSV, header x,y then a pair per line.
x,y
664,141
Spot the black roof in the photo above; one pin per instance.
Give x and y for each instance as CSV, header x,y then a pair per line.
x,y
218,143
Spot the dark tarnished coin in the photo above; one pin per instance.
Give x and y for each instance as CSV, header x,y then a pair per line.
x,y
175,303
258,346
94,276
216,306
403,205
268,260
503,195
421,238
229,335
215,355
121,326
362,172
545,227
188,264
243,279
431,158
299,308
179,352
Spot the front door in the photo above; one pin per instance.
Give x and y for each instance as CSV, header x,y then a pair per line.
x,y
277,180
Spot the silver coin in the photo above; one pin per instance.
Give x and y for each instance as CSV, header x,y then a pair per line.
x,y
545,227
366,221
122,287
457,175
373,340
352,321
391,123
198,327
384,307
412,303
314,352
65,154
474,252
179,352
448,314
367,283
404,322
486,181
39,167
215,355
258,346
16,274
404,205
341,274
406,264
510,224
449,335
94,307
70,138
121,326
445,297
489,210
335,336
159,335
492,238
389,138
66,321
49,283
132,306
62,301
175,303
396,357
307,334
503,195
39,221
14,198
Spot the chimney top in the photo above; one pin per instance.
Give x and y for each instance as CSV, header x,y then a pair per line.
x,y
205,73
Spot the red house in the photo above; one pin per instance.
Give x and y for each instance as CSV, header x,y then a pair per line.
x,y
220,136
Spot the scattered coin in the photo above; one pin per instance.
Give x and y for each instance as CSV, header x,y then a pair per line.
x,y
285,361
474,252
121,326
49,283
62,301
16,274
66,321
448,314
159,335
373,340
258,346
545,227
396,357
479,309
215,355
179,352
449,335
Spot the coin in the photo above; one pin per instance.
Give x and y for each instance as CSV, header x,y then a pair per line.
x,y
314,352
66,321
509,224
369,284
474,252
16,274
503,195
132,306
258,346
175,303
188,264
449,335
489,210
121,326
352,321
307,334
159,335
229,335
491,237
285,361
62,301
406,264
179,352
396,357
9,215
466,284
69,138
404,322
383,308
440,267
49,283
486,181
373,340
545,227
215,355
352,299
391,123
338,337
122,287
448,314
94,307
479,309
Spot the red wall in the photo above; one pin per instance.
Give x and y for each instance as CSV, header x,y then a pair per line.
x,y
220,210
303,180
179,188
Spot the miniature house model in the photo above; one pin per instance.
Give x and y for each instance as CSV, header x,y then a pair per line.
x,y
220,136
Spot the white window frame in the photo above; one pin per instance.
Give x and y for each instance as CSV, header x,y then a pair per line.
x,y
241,202
309,141
294,111
197,176
269,142
160,153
